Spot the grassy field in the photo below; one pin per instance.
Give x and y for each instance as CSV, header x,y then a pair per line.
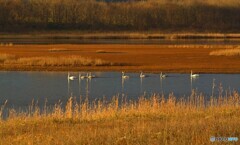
x,y
44,61
156,120
118,57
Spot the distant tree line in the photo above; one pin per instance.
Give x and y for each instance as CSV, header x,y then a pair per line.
x,y
27,15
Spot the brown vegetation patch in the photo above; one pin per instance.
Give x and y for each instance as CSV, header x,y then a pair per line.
x,y
4,57
103,51
137,15
226,52
58,50
152,58
8,59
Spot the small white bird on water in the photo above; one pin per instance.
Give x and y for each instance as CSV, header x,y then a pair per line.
x,y
71,77
194,75
124,76
162,75
142,75
81,77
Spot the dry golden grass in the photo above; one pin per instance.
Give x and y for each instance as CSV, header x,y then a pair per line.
x,y
72,60
6,44
226,52
4,57
156,120
57,49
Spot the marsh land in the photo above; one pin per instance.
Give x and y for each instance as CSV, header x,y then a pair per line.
x,y
90,35
118,57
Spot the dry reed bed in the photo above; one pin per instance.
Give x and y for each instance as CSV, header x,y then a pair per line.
x,y
147,121
4,57
57,50
72,60
226,52
201,46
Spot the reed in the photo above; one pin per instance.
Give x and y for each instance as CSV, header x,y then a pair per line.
x,y
226,52
53,61
4,57
155,120
57,50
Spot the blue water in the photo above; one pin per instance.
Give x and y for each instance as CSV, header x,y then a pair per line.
x,y
122,41
21,88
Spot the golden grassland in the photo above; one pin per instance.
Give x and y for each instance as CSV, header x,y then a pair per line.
x,y
118,57
4,57
156,120
8,59
226,52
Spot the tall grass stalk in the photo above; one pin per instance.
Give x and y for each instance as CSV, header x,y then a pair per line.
x,y
102,109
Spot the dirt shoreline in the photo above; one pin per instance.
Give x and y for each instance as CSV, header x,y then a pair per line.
x,y
146,58
117,69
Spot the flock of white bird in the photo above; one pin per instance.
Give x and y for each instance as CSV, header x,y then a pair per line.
x,y
88,76
124,76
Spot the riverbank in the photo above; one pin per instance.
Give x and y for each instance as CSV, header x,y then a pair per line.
x,y
120,35
156,120
120,57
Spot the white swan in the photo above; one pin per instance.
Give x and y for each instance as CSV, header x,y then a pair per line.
x,y
194,75
162,75
81,77
71,77
124,76
142,75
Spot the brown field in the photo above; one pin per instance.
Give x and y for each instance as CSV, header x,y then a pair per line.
x,y
149,58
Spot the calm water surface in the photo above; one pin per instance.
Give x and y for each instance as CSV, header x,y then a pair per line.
x,y
123,41
20,88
